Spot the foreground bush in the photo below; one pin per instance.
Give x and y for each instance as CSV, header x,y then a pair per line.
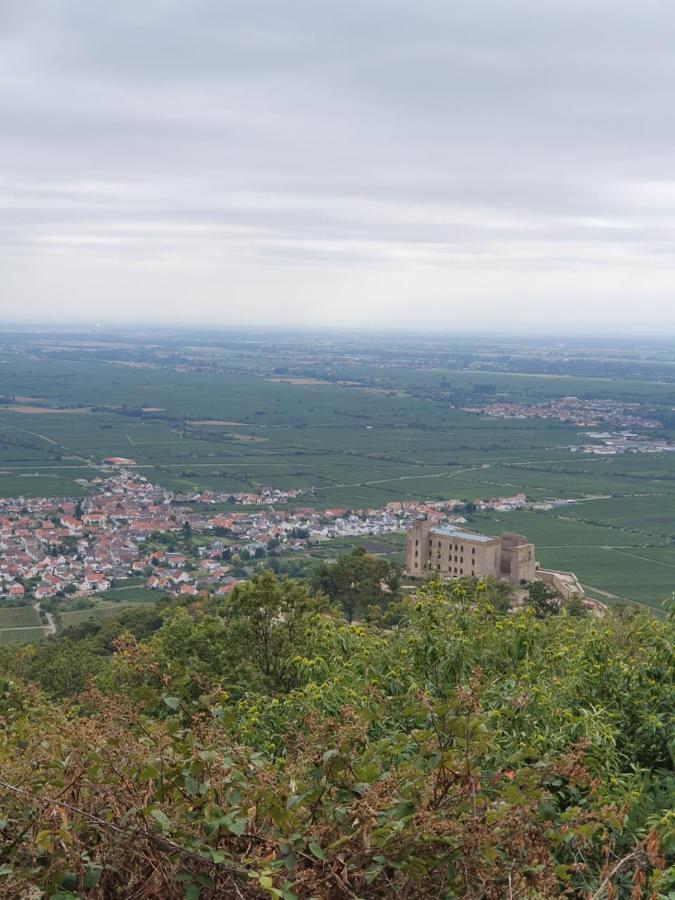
x,y
259,746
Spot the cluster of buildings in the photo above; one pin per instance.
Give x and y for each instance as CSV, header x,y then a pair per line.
x,y
50,545
612,443
263,497
55,546
173,573
573,411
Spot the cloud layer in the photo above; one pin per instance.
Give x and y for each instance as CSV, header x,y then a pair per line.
x,y
456,165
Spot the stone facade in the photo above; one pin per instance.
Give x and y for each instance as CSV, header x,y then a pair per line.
x,y
454,553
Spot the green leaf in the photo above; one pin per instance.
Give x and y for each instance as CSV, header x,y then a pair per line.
x,y
92,878
172,702
191,785
372,873
161,818
148,773
317,851
67,881
192,892
235,824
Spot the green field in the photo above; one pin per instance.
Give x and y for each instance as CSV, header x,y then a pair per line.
x,y
127,595
628,564
20,624
21,635
377,430
18,617
104,611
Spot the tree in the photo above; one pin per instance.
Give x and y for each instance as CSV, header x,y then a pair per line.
x,y
576,607
269,620
499,594
187,531
356,581
543,599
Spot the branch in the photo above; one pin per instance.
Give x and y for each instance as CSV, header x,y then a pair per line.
x,y
127,832
632,855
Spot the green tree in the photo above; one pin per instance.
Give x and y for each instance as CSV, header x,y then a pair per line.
x,y
543,599
575,606
356,581
267,620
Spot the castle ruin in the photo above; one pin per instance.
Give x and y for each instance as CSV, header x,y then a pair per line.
x,y
453,553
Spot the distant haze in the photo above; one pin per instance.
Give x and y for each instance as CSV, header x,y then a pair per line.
x,y
470,165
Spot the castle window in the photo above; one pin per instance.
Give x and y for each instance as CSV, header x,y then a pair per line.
x,y
473,550
417,543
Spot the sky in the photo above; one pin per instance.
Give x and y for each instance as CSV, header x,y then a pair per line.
x,y
461,165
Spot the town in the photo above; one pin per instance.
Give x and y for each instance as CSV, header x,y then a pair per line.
x,y
573,411
56,547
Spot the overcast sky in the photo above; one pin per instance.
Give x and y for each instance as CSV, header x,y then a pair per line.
x,y
461,164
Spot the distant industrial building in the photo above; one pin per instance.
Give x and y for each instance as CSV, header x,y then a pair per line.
x,y
119,461
453,553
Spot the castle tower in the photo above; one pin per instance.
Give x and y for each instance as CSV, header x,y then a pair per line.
x,y
417,548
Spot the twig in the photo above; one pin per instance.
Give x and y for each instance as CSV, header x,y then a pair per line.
x,y
633,855
127,832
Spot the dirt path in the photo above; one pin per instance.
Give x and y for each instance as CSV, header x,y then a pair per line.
x,y
656,562
44,437
607,594
51,624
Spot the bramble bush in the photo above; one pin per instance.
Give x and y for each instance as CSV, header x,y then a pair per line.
x,y
260,746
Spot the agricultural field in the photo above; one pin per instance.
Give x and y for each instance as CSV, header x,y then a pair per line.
x,y
21,635
356,423
18,617
128,595
102,611
20,624
625,565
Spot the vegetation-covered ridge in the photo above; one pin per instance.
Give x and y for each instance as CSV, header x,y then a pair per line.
x,y
258,745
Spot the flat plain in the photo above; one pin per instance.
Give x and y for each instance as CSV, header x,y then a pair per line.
x,y
355,427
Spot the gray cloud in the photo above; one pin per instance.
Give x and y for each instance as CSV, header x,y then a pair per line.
x,y
357,163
